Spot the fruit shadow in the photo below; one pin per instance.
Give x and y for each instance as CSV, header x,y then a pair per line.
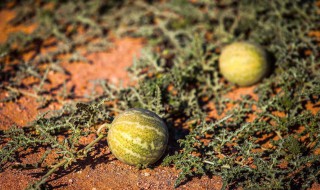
x,y
272,63
176,132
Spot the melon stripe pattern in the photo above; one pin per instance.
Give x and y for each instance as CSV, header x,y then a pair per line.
x,y
138,137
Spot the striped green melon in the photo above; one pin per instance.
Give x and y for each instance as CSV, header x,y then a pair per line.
x,y
243,63
138,137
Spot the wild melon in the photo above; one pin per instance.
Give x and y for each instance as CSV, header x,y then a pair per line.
x,y
244,63
138,137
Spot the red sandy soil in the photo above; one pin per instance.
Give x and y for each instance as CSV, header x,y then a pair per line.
x,y
100,170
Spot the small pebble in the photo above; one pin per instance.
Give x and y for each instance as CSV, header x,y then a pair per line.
x,y
70,180
146,174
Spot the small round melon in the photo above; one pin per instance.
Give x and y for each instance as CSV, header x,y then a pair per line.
x,y
138,137
243,63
